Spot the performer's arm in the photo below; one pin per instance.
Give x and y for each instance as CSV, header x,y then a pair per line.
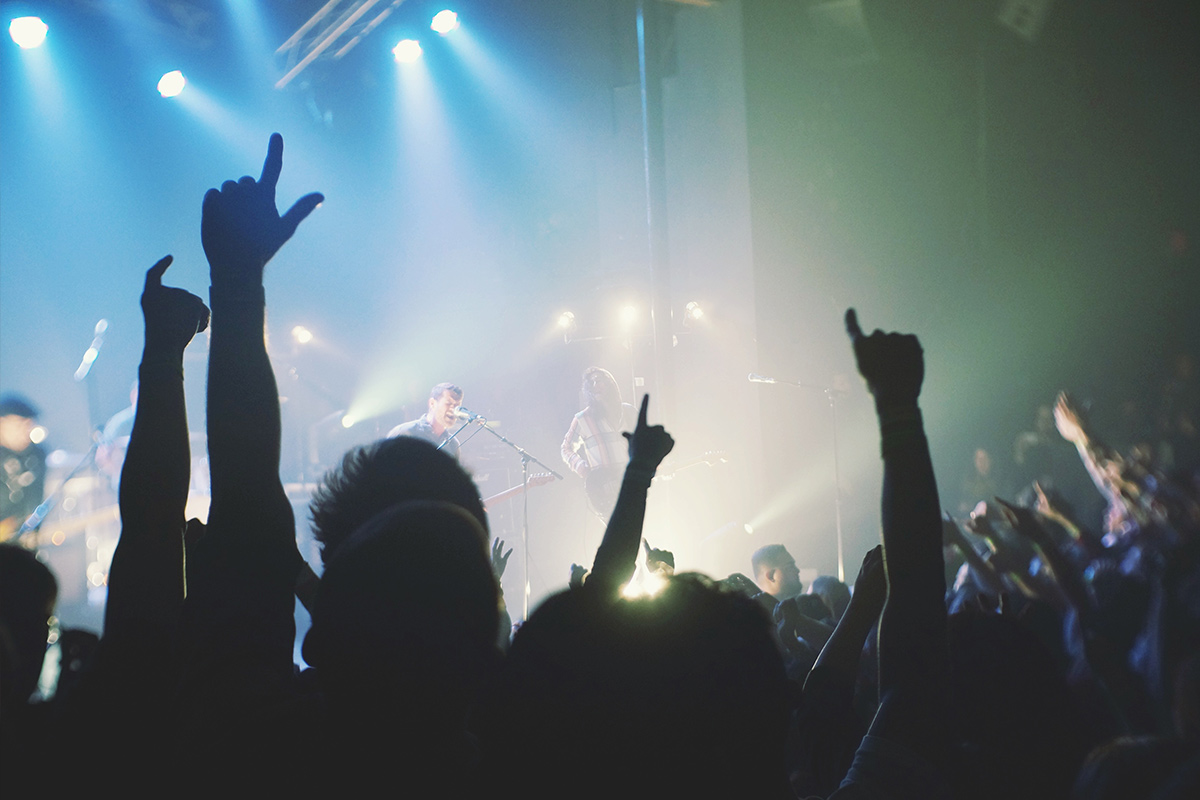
x,y
570,449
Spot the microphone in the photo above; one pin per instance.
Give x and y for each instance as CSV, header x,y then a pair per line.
x,y
89,355
755,378
464,413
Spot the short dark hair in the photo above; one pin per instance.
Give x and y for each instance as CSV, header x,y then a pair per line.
x,y
15,404
379,475
384,609
768,557
436,392
697,666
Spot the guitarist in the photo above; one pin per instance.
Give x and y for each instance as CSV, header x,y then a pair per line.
x,y
593,447
22,464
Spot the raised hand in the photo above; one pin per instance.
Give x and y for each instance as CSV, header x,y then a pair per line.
x,y
240,227
648,444
499,562
871,584
173,316
1024,522
893,364
1069,420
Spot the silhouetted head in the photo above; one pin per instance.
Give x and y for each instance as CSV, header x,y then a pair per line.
x,y
407,611
775,571
28,592
374,477
833,593
682,694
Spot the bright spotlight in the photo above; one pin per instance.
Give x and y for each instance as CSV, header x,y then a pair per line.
x,y
27,32
302,335
693,311
171,84
748,528
348,421
407,51
37,434
566,321
628,315
444,22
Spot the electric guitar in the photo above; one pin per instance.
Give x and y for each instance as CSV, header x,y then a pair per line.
x,y
537,479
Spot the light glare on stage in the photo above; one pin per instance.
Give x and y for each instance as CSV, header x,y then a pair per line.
x,y
348,421
444,21
28,32
693,311
407,51
302,335
171,84
566,321
628,316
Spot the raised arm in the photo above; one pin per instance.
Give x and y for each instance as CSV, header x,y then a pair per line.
x,y
616,557
913,661
241,230
146,582
246,566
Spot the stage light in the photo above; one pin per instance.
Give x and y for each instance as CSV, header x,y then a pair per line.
x,y
693,311
348,421
566,321
171,84
444,22
37,434
302,335
749,529
407,51
628,316
27,32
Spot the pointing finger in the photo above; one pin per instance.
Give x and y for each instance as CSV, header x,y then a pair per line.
x,y
299,210
273,164
852,325
155,273
641,423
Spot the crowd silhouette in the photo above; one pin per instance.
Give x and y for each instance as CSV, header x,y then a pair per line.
x,y
1058,662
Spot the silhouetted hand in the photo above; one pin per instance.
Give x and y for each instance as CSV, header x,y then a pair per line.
x,y
980,522
499,562
648,444
658,559
240,227
737,582
1024,522
871,583
578,573
892,364
173,316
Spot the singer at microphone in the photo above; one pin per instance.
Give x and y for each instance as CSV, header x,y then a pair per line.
x,y
440,421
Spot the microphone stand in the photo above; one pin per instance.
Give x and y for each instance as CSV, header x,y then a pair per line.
x,y
526,459
831,396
